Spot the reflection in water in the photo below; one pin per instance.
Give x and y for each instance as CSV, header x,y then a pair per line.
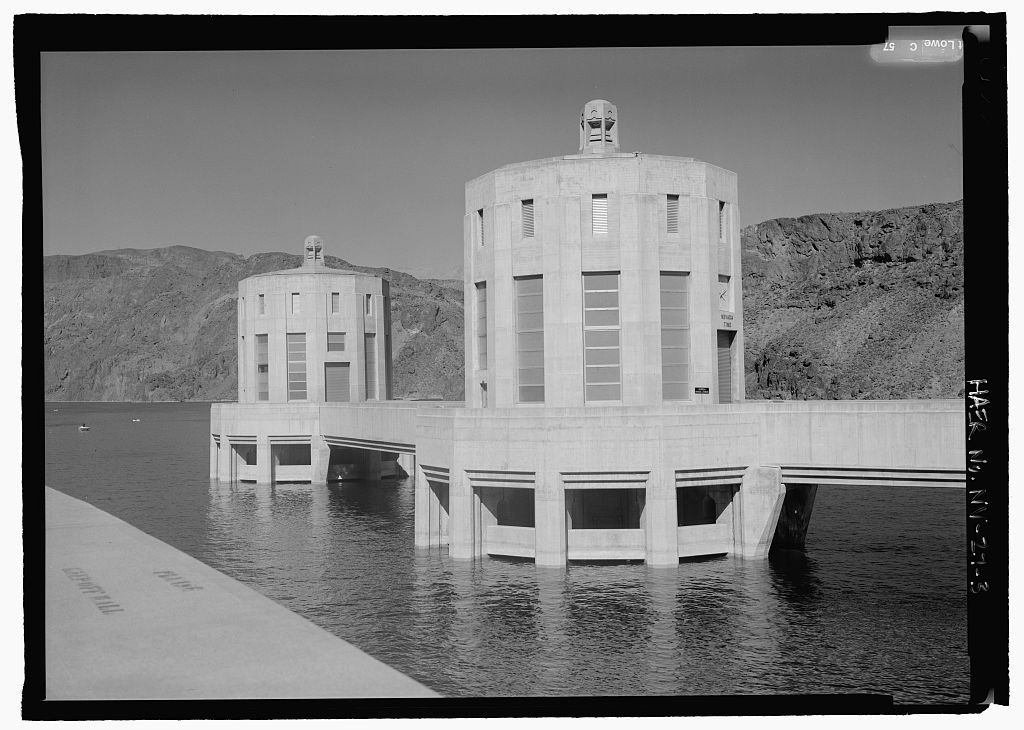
x,y
876,604
665,653
608,611
794,578
724,611
548,675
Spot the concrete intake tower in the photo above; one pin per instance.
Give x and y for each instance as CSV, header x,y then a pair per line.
x,y
603,277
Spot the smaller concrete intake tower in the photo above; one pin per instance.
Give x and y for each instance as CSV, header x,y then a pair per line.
x,y
313,334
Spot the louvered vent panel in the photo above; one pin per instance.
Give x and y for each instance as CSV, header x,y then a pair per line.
x,y
336,379
724,368
599,213
527,219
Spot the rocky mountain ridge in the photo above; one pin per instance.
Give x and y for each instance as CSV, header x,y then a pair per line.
x,y
855,305
843,305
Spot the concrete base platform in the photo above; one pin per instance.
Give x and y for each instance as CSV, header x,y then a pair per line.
x,y
130,617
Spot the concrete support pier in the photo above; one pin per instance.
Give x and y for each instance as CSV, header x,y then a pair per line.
x,y
662,532
462,544
760,502
406,465
795,517
549,511
264,465
320,457
130,617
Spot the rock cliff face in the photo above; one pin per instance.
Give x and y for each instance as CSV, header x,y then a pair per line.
x,y
160,325
855,305
849,305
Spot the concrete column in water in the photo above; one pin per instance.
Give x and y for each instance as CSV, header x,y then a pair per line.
x,y
408,464
549,520
660,522
214,473
461,522
433,515
760,500
319,459
487,515
421,507
479,524
226,462
434,522
795,516
264,468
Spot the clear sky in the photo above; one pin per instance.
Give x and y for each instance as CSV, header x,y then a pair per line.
x,y
252,151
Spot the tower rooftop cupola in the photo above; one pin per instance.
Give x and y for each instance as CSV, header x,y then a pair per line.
x,y
314,253
599,129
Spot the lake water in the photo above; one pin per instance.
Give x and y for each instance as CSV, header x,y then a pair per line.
x,y
876,604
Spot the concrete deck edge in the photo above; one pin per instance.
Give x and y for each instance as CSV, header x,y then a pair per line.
x,y
130,617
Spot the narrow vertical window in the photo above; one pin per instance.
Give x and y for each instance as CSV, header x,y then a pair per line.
x,y
480,225
672,224
368,304
724,300
723,222
261,307
335,302
481,325
296,303
262,368
601,362
370,360
530,339
296,366
599,214
675,336
528,218
335,342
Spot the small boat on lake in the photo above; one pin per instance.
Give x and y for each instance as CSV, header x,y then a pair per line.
x,y
83,427
136,420
343,472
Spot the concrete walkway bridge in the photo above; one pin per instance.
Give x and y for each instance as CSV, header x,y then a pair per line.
x,y
601,483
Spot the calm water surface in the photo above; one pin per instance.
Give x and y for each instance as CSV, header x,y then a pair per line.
x,y
876,604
